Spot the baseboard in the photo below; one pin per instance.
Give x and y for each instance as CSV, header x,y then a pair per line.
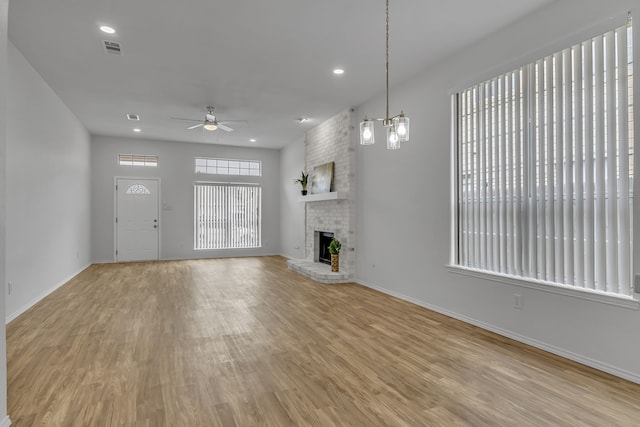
x,y
596,364
6,421
34,301
204,257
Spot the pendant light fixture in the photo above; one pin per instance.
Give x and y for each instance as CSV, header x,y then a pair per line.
x,y
397,126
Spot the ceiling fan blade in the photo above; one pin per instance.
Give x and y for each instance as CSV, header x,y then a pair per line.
x,y
195,126
232,121
189,120
225,128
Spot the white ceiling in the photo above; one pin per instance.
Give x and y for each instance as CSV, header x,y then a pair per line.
x,y
268,62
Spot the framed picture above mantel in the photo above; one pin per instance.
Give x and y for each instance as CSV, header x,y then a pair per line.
x,y
322,181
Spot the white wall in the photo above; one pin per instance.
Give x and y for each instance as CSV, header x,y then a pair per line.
x,y
404,206
291,210
4,5
48,189
176,172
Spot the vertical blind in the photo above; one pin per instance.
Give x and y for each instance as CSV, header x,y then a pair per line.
x,y
545,168
227,216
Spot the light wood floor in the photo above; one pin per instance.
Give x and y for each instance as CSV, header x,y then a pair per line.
x,y
246,342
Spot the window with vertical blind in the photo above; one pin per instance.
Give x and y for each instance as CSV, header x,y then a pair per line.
x,y
227,216
544,165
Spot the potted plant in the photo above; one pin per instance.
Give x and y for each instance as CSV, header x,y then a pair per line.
x,y
303,180
334,250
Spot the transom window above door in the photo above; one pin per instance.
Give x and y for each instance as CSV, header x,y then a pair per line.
x,y
137,160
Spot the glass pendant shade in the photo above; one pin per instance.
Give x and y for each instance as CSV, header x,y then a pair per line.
x,y
393,142
367,136
402,127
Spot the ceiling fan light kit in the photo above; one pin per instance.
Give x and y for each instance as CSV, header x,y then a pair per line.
x,y
210,122
398,125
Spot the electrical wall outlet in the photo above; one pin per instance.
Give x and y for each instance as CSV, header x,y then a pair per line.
x,y
10,287
517,301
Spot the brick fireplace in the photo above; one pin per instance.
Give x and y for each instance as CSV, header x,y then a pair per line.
x,y
332,141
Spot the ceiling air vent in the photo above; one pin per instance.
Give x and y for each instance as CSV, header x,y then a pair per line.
x,y
133,117
112,47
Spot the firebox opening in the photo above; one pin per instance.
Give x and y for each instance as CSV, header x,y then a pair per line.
x,y
324,240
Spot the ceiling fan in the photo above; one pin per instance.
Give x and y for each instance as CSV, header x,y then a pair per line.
x,y
211,122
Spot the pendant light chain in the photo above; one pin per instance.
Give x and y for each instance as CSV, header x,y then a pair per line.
x,y
387,62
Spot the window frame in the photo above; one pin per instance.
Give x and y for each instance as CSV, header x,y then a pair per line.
x,y
152,159
453,266
258,216
236,164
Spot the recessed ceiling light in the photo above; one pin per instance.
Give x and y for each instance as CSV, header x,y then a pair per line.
x,y
252,140
338,71
303,119
131,116
107,29
137,130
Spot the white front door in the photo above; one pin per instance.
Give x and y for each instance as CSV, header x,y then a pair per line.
x,y
137,221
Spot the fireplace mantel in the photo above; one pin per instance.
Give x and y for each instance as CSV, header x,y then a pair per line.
x,y
320,197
